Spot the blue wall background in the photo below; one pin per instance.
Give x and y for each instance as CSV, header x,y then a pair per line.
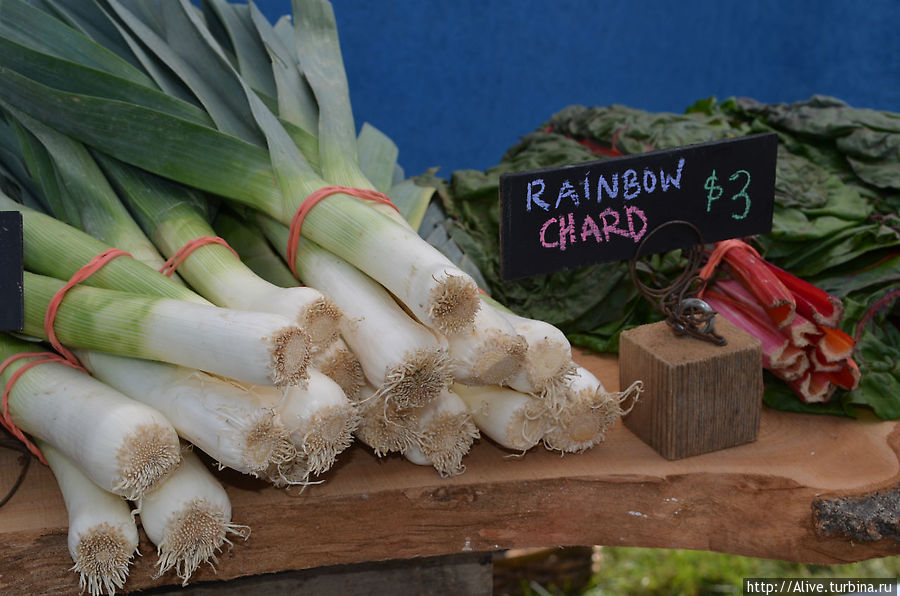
x,y
456,82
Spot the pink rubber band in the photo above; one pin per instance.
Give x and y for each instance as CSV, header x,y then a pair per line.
x,y
312,200
6,420
185,251
82,274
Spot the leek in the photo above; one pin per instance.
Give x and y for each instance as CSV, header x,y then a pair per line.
x,y
320,420
123,446
257,348
402,358
511,419
341,365
255,251
174,216
548,361
225,420
445,433
276,182
103,536
56,249
490,353
188,518
67,174
586,413
377,158
384,427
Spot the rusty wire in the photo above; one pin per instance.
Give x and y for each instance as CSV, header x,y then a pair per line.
x,y
678,299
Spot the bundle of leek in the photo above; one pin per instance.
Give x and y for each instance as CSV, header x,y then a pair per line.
x,y
150,316
46,236
175,216
123,446
69,90
255,347
404,359
229,107
227,421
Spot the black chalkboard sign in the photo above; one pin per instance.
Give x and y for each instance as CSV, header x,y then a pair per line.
x,y
574,216
12,310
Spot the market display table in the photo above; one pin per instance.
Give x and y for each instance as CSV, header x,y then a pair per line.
x,y
756,499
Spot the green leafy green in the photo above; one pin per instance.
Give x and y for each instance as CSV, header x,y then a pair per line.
x,y
835,222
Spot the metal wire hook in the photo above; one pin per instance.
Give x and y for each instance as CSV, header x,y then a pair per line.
x,y
685,313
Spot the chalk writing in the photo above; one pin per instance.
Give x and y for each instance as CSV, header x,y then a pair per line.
x,y
742,193
559,232
574,216
715,191
633,185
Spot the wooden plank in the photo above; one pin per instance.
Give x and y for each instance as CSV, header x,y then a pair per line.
x,y
754,499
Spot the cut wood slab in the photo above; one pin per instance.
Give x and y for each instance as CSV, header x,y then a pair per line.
x,y
755,499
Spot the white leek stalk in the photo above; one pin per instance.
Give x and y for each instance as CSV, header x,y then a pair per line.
x,y
173,216
254,347
123,446
548,359
227,421
342,366
320,420
512,419
587,412
219,276
490,353
439,295
103,535
402,358
445,433
188,518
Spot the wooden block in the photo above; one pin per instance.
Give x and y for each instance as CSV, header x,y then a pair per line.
x,y
698,397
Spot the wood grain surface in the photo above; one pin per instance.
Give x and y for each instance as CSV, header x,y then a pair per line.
x,y
755,499
698,396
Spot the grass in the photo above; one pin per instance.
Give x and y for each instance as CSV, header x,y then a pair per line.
x,y
650,572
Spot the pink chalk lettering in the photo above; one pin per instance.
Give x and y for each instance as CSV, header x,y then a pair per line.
x,y
632,210
589,228
566,231
612,227
544,242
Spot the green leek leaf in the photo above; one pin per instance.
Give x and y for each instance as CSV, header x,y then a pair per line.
x,y
163,144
